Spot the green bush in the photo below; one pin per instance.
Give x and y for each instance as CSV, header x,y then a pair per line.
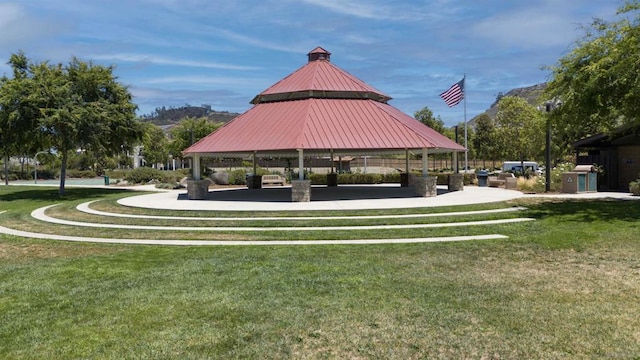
x,y
238,177
145,175
634,187
391,178
75,173
359,178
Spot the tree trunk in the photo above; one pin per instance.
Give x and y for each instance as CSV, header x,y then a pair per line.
x,y
63,172
6,169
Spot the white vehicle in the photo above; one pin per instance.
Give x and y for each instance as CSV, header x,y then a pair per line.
x,y
516,166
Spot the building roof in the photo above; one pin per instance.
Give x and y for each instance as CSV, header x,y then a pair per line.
x,y
320,108
320,78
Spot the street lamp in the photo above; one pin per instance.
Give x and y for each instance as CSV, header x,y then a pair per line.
x,y
35,166
549,106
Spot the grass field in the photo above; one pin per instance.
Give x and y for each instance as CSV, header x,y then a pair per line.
x,y
565,286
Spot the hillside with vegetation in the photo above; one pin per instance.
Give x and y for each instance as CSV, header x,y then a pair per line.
x,y
162,116
530,93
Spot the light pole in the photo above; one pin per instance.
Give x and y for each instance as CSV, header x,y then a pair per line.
x,y
549,106
35,166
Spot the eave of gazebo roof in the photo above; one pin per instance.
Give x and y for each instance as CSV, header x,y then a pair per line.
x,y
320,125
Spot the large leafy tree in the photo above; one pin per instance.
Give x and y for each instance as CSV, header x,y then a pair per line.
x,y
425,116
155,144
484,142
81,106
189,131
598,82
18,113
520,129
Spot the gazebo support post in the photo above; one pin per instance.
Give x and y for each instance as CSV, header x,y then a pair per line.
x,y
332,177
197,189
425,186
404,178
425,162
456,179
301,188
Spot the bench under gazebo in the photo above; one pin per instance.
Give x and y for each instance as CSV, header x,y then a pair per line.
x,y
321,110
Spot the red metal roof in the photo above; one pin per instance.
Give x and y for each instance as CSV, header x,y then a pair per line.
x,y
318,108
322,124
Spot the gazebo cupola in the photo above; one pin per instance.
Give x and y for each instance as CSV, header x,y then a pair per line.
x,y
319,54
320,79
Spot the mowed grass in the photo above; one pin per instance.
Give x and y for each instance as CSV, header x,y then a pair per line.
x,y
564,286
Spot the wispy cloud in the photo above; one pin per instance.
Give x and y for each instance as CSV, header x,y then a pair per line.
x,y
159,60
361,9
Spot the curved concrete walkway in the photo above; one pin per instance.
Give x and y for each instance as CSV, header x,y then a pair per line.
x,y
39,214
33,235
343,197
86,208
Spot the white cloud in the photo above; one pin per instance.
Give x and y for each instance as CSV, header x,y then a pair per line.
x,y
18,27
546,23
159,60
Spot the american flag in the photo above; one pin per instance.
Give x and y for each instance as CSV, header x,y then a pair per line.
x,y
455,94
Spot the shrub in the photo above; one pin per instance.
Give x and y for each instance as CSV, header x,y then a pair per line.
x,y
391,178
220,178
172,186
145,175
238,177
75,173
634,187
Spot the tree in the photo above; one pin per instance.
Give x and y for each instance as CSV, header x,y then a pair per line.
x,y
484,141
520,129
82,106
599,80
155,144
18,113
188,132
426,117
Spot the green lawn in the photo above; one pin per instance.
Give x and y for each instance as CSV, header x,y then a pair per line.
x,y
564,286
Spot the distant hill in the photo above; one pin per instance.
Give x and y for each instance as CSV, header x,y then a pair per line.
x,y
529,93
163,116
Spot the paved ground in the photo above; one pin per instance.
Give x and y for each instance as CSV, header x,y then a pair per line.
x,y
343,197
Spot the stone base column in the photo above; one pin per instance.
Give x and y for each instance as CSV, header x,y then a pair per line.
x,y
197,189
456,182
426,186
301,190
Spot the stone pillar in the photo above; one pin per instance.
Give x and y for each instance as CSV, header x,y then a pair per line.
x,y
196,166
426,186
456,182
197,189
301,190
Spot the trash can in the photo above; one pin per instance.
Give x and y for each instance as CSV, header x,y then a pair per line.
x,y
106,180
483,175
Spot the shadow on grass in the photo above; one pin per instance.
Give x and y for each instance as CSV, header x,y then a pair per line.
x,y
11,193
584,211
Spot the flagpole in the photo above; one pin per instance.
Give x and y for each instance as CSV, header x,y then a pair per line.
x,y
466,151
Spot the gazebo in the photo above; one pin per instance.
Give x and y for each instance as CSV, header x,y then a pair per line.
x,y
320,110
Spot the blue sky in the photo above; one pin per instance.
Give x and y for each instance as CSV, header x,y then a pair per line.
x,y
223,53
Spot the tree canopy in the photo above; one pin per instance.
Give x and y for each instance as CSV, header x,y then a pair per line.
x,y
75,107
519,129
598,82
